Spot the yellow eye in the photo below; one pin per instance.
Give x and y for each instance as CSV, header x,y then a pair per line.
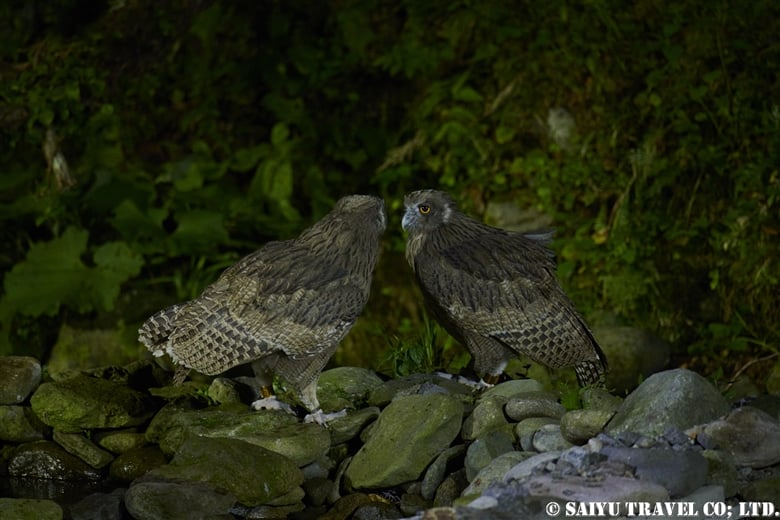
x,y
423,209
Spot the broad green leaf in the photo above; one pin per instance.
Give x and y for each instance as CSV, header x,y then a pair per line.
x,y
199,231
50,275
115,263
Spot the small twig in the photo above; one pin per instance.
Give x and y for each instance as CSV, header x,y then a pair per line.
x,y
748,365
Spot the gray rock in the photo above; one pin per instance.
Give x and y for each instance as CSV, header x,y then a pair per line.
x,y
46,460
19,424
412,385
527,428
751,436
702,496
30,509
409,434
678,398
487,415
376,511
633,355
346,387
611,489
150,500
524,469
451,488
767,403
20,376
549,438
534,404
577,426
680,472
83,448
234,467
318,490
483,450
721,471
436,472
494,471
83,402
136,462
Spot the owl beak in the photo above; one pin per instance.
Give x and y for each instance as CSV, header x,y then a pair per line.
x,y
409,219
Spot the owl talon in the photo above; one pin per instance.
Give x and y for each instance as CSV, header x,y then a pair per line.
x,y
272,403
321,418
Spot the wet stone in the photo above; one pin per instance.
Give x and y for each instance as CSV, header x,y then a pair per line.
x,y
577,426
20,376
28,508
680,472
483,450
534,404
78,445
437,471
103,506
495,470
549,438
150,500
136,462
527,428
47,460
19,424
121,441
751,436
487,415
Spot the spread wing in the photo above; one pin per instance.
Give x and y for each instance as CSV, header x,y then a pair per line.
x,y
281,298
502,286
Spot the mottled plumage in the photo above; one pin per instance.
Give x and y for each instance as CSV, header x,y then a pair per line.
x,y
495,291
284,307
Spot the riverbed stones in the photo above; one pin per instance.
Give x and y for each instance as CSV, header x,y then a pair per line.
x,y
20,424
534,404
577,426
411,431
750,435
675,398
84,402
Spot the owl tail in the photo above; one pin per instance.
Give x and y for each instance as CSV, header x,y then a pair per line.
x,y
590,373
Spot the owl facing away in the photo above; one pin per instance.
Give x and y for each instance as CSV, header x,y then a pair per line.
x,y
495,290
283,308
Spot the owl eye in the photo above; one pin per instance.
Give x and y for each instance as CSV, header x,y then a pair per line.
x,y
423,209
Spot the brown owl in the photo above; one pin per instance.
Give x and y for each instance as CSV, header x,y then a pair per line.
x,y
495,291
284,308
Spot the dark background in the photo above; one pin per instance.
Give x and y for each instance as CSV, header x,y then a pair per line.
x,y
145,146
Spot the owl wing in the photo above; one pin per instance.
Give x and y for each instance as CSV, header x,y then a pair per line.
x,y
281,298
502,286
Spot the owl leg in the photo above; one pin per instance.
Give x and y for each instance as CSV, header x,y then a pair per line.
x,y
265,379
308,397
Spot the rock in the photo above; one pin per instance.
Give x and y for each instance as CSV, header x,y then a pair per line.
x,y
411,431
487,415
633,355
136,462
120,441
20,376
611,489
234,467
46,460
30,509
19,424
495,470
594,398
577,426
512,388
411,385
534,404
524,468
346,387
680,472
376,511
751,436
83,402
103,506
450,488
348,427
411,503
767,403
150,500
527,428
437,471
224,390
317,490
678,398
483,450
78,349
83,448
549,438
721,471
763,490
702,496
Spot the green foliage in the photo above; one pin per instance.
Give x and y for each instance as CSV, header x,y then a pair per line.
x,y
150,144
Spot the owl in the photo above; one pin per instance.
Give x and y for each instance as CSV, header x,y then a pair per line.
x,y
495,290
283,308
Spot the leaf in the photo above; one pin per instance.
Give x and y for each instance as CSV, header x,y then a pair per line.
x,y
198,232
51,274
115,263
